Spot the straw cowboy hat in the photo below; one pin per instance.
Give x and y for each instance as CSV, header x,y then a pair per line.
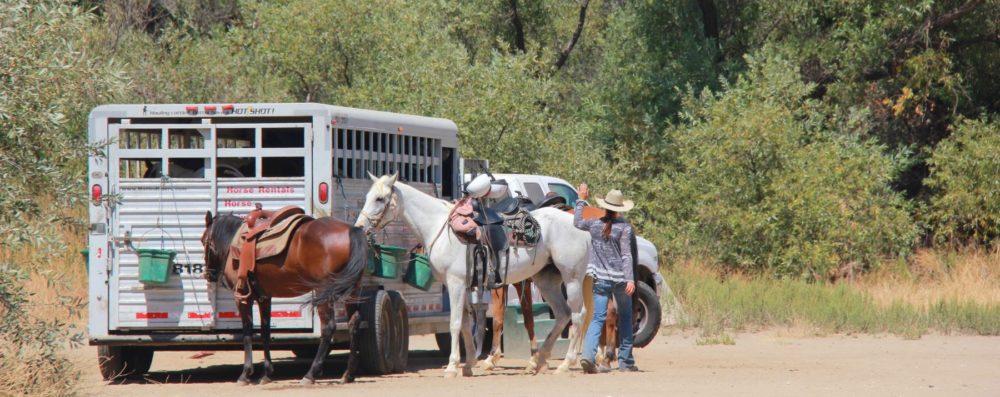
x,y
615,201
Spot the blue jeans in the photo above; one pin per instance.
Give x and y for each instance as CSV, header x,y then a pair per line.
x,y
603,290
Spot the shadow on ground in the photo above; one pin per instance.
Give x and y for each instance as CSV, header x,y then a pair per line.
x,y
284,369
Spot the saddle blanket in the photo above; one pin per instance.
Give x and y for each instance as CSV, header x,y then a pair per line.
x,y
273,241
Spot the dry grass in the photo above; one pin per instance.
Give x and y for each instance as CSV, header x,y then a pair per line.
x,y
26,372
957,291
58,279
932,276
54,293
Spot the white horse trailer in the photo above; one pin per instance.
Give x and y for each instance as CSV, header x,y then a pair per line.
x,y
161,167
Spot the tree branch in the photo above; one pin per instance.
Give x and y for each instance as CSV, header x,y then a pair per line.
x,y
518,27
930,24
564,54
962,44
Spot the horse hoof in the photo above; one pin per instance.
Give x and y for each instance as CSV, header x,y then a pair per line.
x,y
450,373
307,381
265,380
487,365
467,371
347,379
562,369
242,381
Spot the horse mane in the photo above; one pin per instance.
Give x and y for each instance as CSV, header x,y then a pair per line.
x,y
224,229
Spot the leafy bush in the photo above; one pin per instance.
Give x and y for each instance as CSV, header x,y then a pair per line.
x,y
965,178
764,184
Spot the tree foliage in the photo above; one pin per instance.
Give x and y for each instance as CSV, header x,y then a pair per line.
x,y
764,183
965,175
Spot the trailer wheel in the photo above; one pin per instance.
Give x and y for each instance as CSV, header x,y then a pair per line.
x,y
401,333
645,315
376,339
119,362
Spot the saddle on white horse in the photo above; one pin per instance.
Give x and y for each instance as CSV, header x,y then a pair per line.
x,y
489,231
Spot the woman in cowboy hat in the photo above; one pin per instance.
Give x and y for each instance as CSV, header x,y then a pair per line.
x,y
611,268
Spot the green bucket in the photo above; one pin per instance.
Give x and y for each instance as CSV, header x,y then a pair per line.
x,y
86,257
392,257
419,274
154,265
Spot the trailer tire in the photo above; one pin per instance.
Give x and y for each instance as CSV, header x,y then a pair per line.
x,y
376,339
119,362
402,329
646,315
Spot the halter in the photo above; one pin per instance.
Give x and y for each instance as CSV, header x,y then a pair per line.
x,y
380,216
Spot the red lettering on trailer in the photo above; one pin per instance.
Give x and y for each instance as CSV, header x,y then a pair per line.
x,y
199,315
286,313
234,203
228,315
151,315
236,189
275,189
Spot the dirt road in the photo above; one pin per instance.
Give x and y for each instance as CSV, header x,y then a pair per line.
x,y
763,364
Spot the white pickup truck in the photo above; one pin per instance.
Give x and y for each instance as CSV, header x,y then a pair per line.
x,y
649,284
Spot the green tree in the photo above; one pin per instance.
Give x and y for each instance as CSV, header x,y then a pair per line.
x,y
965,181
765,184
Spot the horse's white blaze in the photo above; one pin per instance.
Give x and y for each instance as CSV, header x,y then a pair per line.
x,y
566,245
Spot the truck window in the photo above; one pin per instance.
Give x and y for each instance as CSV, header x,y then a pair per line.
x,y
563,190
534,191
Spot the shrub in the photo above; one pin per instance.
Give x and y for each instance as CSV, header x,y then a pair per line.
x,y
764,184
965,203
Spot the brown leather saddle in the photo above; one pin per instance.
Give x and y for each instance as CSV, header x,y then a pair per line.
x,y
264,234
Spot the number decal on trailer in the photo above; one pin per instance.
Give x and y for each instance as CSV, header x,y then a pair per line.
x,y
188,268
99,252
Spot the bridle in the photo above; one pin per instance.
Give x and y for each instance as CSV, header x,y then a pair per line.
x,y
379,218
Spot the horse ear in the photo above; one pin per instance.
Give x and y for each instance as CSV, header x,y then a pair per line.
x,y
208,218
374,178
392,180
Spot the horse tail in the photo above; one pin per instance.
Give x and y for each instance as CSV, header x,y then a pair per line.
x,y
342,282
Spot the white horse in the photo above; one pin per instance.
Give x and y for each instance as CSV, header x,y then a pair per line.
x,y
565,245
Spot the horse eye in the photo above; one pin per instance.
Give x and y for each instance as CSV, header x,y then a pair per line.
x,y
380,199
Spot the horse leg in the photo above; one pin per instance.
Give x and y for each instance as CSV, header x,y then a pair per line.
x,y
527,311
499,304
326,314
609,337
352,355
247,318
550,285
575,313
264,307
470,347
456,296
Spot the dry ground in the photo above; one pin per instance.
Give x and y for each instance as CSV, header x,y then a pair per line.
x,y
773,363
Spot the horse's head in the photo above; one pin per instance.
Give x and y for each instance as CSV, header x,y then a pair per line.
x,y
381,203
219,232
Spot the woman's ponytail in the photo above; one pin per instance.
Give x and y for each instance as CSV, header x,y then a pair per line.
x,y
608,219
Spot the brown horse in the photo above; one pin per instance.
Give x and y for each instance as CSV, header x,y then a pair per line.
x,y
499,305
325,255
